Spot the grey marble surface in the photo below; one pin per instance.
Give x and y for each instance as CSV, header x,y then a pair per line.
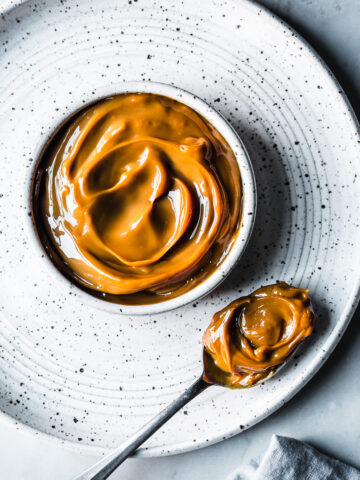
x,y
326,412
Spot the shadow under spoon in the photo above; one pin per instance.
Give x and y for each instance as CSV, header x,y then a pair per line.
x,y
106,466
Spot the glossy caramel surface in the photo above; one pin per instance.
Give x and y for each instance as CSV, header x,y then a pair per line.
x,y
250,338
138,198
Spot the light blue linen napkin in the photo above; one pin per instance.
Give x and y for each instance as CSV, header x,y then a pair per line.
x,y
290,459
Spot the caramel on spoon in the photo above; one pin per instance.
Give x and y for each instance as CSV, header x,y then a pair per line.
x,y
244,345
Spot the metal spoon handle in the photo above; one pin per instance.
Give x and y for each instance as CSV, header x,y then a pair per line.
x,y
102,469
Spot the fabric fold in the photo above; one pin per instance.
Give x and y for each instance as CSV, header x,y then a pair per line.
x,y
290,459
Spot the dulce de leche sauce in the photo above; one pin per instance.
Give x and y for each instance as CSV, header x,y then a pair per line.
x,y
250,338
137,198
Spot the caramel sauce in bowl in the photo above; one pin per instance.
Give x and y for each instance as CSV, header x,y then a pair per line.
x,y
144,199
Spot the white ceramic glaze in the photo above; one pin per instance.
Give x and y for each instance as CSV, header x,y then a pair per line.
x,y
248,188
89,378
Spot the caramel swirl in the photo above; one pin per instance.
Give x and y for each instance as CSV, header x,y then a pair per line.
x,y
139,193
250,338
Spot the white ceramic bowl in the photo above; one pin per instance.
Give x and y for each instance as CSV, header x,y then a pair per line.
x,y
248,189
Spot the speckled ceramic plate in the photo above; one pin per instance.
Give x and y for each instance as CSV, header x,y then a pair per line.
x,y
89,378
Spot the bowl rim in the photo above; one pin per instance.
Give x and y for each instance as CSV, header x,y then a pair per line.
x,y
249,200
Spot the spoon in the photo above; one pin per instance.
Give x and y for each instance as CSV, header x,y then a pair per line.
x,y
254,310
106,466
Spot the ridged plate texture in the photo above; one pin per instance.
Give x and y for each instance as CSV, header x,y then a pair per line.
x,y
88,377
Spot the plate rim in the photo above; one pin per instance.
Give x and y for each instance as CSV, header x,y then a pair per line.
x,y
319,360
